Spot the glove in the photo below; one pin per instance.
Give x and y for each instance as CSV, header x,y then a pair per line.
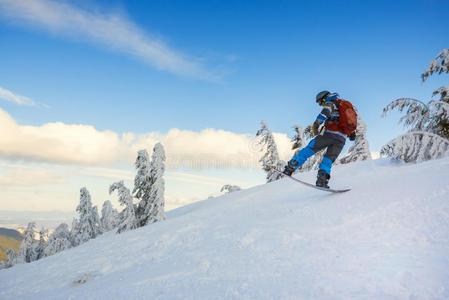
x,y
315,128
352,136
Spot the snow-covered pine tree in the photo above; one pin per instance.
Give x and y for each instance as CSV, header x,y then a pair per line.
x,y
96,219
27,250
440,108
155,211
142,186
416,146
109,217
88,224
420,116
228,188
443,92
439,65
360,149
417,113
423,141
42,243
429,123
441,113
270,159
440,120
128,220
59,240
298,139
73,231
11,258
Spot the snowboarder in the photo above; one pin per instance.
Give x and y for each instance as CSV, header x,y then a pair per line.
x,y
339,120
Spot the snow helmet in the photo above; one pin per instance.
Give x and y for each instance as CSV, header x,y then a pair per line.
x,y
321,96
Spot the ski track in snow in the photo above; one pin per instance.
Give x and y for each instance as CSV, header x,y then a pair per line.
x,y
388,238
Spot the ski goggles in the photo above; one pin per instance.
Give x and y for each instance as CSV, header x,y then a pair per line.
x,y
322,101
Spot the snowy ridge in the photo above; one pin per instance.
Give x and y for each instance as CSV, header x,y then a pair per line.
x,y
388,238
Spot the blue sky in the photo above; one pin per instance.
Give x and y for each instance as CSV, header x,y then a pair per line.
x,y
284,51
250,60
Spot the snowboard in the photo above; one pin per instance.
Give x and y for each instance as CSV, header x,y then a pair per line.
x,y
314,186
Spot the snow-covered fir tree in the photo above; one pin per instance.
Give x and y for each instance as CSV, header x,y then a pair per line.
x,y
96,219
27,251
59,240
155,211
416,146
149,185
11,258
424,139
41,244
270,160
439,121
109,217
298,139
439,65
441,111
142,185
360,149
443,93
88,224
440,118
420,116
128,220
73,230
228,188
428,124
417,113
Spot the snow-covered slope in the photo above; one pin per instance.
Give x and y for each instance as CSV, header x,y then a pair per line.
x,y
388,238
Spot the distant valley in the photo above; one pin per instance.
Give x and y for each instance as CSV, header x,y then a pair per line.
x,y
9,238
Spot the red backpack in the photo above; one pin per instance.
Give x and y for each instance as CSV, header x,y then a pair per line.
x,y
347,122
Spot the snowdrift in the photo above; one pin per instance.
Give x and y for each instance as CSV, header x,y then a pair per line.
x,y
388,238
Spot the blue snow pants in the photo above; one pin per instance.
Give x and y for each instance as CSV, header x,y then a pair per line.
x,y
320,142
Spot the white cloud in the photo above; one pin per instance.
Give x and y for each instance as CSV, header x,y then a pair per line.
x,y
23,177
57,142
109,173
55,159
10,96
45,186
107,30
85,145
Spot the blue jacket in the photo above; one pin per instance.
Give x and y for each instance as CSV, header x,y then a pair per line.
x,y
330,113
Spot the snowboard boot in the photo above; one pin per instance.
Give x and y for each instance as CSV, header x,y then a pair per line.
x,y
322,179
290,167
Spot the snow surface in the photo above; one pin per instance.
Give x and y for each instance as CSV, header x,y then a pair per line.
x,y
388,238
